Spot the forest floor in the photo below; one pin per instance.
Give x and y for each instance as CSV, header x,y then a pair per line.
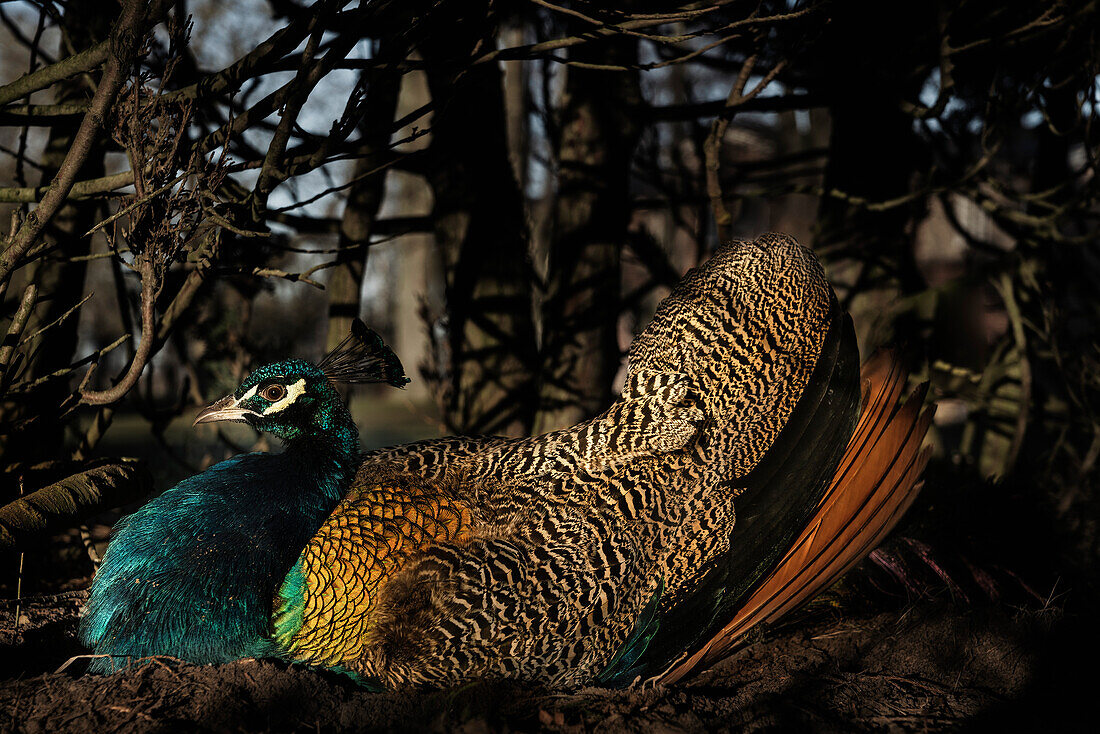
x,y
931,666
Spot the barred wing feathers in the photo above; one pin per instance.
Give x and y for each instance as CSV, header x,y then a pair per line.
x,y
876,482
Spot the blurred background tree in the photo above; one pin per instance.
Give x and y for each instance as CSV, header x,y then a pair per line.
x,y
506,190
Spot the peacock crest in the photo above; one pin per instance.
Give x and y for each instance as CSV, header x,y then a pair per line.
x,y
363,357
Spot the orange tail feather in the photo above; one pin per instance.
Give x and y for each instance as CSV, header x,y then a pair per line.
x,y
875,484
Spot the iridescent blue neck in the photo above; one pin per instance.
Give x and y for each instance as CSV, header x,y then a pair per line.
x,y
330,447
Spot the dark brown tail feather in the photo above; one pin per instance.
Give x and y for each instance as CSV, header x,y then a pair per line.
x,y
875,484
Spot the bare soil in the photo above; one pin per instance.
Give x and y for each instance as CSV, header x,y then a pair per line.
x,y
929,667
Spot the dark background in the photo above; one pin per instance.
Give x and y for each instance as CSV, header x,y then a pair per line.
x,y
505,191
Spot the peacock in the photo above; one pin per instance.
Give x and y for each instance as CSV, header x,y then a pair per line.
x,y
192,574
745,466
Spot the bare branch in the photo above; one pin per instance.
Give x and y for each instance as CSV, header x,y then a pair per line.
x,y
149,290
125,39
15,331
63,69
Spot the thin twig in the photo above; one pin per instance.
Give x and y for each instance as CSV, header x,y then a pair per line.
x,y
58,320
713,145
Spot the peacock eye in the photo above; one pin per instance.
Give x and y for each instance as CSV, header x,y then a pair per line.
x,y
273,393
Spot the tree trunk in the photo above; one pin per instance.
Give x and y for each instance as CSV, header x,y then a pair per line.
x,y
481,234
364,196
858,168
875,156
874,151
589,228
515,106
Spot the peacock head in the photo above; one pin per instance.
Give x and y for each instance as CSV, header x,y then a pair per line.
x,y
294,398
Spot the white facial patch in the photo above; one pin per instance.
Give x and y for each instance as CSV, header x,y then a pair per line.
x,y
251,391
293,392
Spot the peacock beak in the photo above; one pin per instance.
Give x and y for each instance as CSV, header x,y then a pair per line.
x,y
226,409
